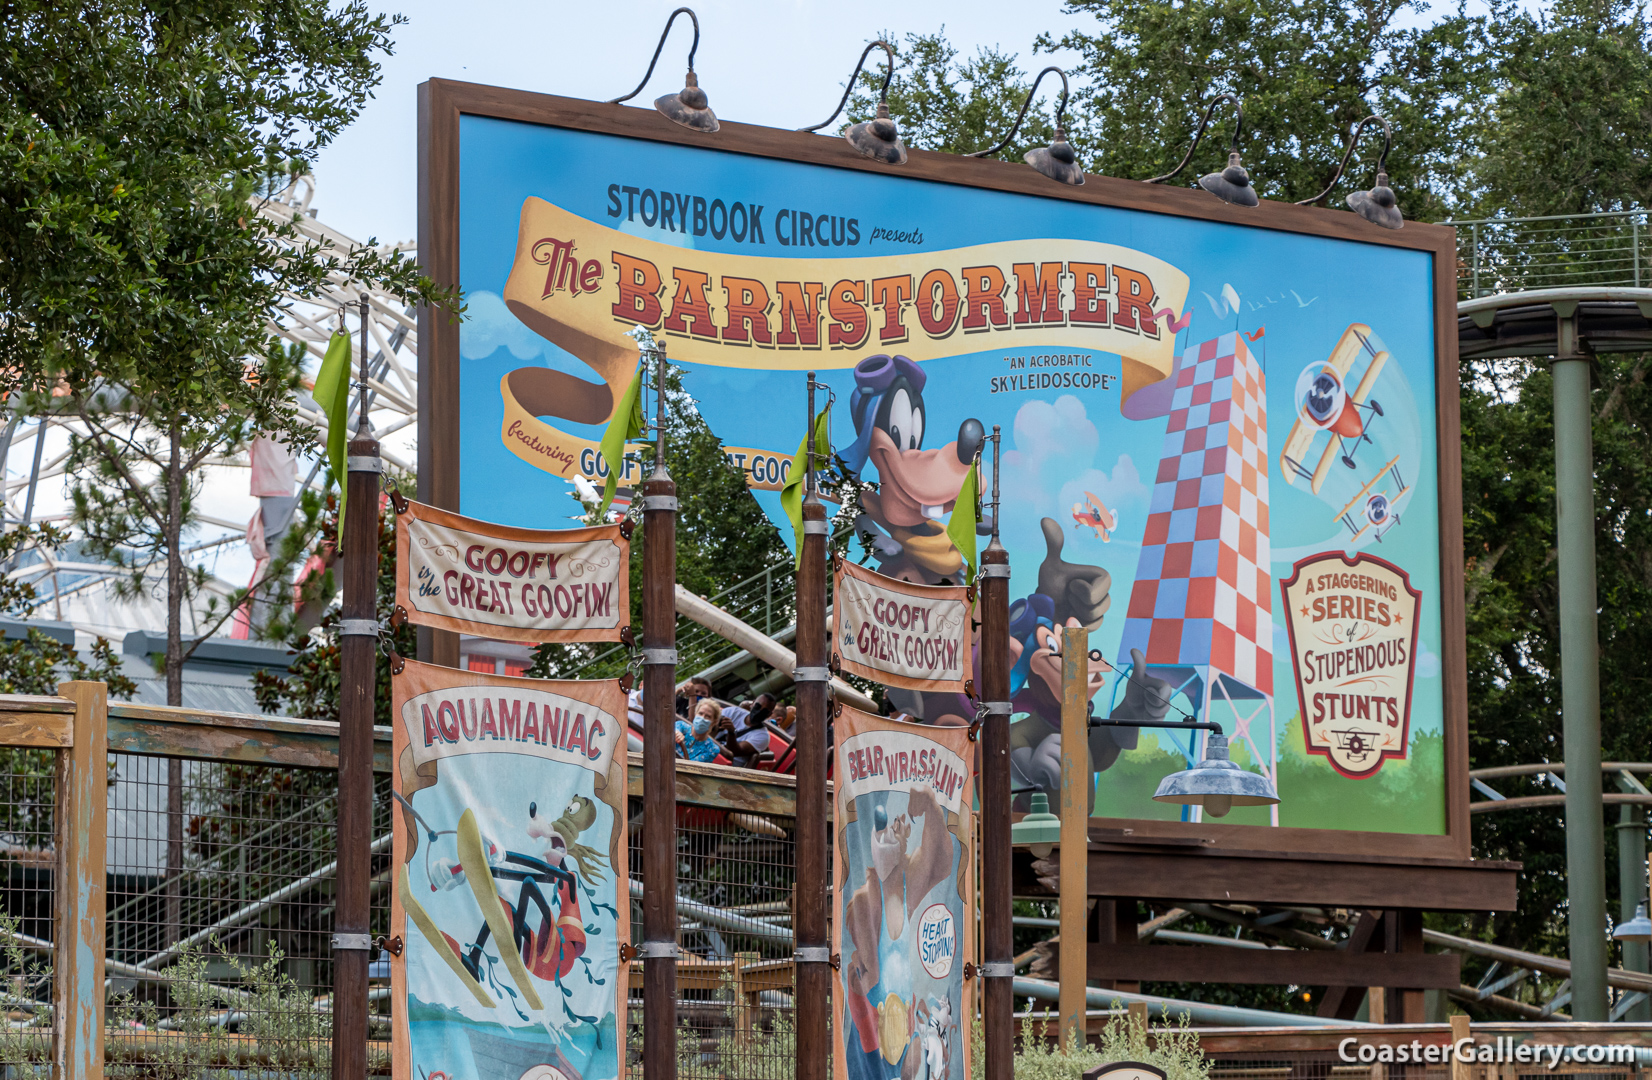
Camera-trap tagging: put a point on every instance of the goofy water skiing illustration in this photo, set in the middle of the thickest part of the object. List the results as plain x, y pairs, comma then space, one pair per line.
546, 951
508, 894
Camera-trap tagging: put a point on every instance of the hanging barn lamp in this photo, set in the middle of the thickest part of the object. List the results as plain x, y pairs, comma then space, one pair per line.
878, 137
1232, 184
1057, 161
1637, 929
689, 106
1039, 829
1216, 783
1378, 206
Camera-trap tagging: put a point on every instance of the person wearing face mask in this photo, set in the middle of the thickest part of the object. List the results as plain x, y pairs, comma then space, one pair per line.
694, 738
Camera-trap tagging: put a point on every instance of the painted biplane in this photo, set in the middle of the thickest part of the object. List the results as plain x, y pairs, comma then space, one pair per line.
1373, 508
1324, 404
1092, 514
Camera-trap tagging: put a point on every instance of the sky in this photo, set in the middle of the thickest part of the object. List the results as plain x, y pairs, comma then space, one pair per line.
782, 63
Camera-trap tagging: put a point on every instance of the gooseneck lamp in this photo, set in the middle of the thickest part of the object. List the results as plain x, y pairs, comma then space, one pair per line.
1378, 205
1057, 161
1232, 184
689, 106
876, 138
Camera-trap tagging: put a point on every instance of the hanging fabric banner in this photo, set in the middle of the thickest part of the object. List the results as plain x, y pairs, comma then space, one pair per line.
904, 898
511, 883
899, 633
474, 577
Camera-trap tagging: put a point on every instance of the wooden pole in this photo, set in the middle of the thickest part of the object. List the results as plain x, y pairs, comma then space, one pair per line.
358, 646
80, 899
997, 952
659, 764
813, 954
1073, 960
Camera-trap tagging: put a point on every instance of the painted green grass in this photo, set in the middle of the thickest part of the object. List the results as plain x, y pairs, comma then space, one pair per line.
1405, 796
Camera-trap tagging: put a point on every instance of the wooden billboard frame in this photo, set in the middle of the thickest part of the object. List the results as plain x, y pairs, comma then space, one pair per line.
441, 104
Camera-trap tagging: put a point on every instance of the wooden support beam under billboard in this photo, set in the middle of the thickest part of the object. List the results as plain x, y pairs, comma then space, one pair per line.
1153, 869
1341, 1001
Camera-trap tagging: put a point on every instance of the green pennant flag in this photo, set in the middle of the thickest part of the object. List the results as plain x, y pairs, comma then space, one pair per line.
625, 426
961, 529
791, 495
332, 393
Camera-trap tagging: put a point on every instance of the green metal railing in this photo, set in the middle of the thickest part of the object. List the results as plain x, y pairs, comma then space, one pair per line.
1498, 255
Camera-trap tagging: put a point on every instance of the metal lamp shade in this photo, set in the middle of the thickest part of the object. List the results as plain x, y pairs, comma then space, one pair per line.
1057, 161
1637, 929
878, 138
1216, 783
1232, 184
689, 107
1039, 830
1378, 205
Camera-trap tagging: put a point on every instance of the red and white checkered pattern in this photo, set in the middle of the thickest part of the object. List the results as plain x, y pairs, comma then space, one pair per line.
1203, 594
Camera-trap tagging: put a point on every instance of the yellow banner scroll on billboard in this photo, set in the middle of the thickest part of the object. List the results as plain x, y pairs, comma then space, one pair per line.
582, 285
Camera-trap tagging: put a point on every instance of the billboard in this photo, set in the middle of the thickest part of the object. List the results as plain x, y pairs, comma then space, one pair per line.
1199, 403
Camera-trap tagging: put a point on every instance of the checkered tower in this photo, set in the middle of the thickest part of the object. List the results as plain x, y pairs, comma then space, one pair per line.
1202, 597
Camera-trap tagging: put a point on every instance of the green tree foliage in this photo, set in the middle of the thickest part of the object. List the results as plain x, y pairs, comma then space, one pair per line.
1570, 130
1306, 72
140, 258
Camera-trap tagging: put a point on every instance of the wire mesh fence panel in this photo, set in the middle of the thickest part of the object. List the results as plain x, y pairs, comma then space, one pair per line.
27, 798
221, 903
734, 907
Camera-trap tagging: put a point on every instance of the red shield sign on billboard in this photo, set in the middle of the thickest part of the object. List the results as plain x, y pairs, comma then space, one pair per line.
1353, 631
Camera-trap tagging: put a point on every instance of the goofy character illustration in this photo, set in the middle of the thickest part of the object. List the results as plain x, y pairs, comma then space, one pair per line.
902, 524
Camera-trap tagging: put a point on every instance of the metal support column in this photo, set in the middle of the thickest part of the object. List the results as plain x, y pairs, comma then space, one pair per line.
998, 948
358, 653
659, 761
813, 956
1632, 891
1579, 669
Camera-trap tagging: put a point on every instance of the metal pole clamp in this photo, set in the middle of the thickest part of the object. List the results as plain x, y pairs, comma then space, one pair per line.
359, 628
363, 463
659, 502
814, 528
657, 950
995, 569
360, 942
812, 674
997, 969
812, 954
996, 708
659, 656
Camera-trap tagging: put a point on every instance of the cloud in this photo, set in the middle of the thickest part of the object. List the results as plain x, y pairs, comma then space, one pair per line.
1053, 463
489, 326
1428, 665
